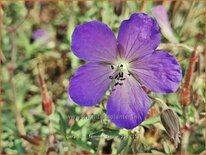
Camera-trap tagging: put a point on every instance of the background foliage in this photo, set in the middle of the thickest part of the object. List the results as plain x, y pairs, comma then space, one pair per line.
75, 129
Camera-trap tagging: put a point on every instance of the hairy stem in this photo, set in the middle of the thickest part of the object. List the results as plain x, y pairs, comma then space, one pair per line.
11, 67
185, 141
19, 119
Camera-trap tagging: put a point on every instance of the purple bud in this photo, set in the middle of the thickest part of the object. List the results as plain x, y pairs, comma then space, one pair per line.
160, 14
41, 34
171, 124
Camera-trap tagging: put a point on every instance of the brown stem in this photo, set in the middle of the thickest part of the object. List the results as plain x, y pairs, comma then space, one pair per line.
143, 6
185, 91
185, 94
47, 103
192, 63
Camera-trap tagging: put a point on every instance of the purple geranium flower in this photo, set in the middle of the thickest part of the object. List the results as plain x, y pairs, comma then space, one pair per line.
125, 65
41, 34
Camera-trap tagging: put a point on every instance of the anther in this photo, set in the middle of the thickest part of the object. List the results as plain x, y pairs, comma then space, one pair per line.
112, 67
122, 79
116, 76
121, 65
120, 74
110, 77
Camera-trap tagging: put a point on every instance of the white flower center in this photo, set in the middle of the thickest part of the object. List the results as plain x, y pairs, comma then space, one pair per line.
120, 68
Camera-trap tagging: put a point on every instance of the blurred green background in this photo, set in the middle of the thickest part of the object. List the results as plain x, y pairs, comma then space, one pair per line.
75, 129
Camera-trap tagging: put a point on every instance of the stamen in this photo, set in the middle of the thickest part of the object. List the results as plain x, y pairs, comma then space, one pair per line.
118, 83
121, 74
116, 76
110, 77
122, 79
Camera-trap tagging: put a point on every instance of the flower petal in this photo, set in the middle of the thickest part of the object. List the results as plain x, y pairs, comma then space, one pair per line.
94, 41
128, 104
160, 14
159, 72
138, 36
90, 83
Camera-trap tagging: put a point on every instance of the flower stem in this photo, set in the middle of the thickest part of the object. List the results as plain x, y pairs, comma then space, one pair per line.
160, 102
185, 141
185, 91
180, 45
11, 68
192, 62
51, 136
19, 119
143, 6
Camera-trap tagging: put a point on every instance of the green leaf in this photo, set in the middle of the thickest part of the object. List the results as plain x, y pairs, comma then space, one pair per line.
83, 144
166, 148
122, 146
156, 152
19, 147
63, 124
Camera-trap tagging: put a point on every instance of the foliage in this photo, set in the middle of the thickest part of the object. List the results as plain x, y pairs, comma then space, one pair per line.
75, 129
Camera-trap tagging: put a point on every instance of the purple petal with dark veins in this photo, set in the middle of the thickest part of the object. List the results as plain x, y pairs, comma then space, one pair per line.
128, 104
159, 72
90, 83
94, 41
138, 36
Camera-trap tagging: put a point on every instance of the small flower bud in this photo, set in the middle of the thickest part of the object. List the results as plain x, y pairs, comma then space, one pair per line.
118, 7
29, 5
35, 140
37, 143
42, 36
82, 7
171, 124
160, 14
47, 103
